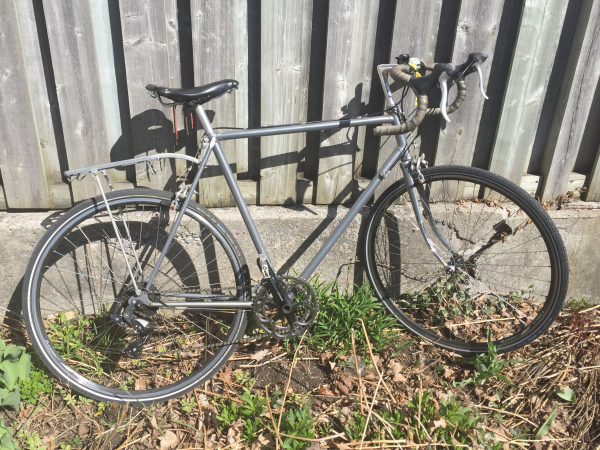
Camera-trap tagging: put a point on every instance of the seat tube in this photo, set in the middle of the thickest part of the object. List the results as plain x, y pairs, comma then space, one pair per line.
232, 183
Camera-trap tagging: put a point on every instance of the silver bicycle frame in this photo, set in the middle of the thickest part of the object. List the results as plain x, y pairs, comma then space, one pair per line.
400, 153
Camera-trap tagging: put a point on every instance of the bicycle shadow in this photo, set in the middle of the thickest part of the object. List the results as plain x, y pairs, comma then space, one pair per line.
346, 196
152, 132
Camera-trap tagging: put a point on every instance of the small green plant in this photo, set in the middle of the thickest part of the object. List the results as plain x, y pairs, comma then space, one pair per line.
296, 419
545, 428
578, 305
340, 313
74, 443
31, 440
6, 438
487, 366
36, 384
228, 413
566, 394
244, 378
187, 404
355, 426
14, 365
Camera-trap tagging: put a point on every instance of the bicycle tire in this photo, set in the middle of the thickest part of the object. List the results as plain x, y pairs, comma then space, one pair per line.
489, 223
77, 271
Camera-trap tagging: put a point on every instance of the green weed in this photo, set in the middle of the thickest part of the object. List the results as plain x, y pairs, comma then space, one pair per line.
228, 413
244, 378
422, 421
6, 438
340, 313
187, 404
36, 384
15, 364
296, 417
31, 440
487, 366
578, 305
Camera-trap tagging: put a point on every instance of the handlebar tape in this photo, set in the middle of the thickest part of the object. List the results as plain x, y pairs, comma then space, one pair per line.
420, 86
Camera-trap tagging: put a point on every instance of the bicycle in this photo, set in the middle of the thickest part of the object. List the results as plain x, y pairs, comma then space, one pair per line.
142, 295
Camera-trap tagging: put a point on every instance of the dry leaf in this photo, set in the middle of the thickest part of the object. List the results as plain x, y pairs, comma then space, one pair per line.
225, 375
203, 400
153, 422
83, 430
260, 355
348, 381
369, 375
233, 435
395, 369
263, 441
440, 423
69, 315
168, 441
140, 384
324, 391
449, 374
326, 357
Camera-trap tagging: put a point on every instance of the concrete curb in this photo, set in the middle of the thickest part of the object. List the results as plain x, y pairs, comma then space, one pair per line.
294, 234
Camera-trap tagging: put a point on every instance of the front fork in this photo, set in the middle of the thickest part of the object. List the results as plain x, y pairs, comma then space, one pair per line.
418, 187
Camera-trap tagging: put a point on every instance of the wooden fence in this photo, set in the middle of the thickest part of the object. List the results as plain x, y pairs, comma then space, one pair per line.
73, 75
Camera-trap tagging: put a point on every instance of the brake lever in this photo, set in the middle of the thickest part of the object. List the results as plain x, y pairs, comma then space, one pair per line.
444, 77
478, 69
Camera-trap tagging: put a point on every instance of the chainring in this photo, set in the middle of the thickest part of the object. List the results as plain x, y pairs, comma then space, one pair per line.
271, 318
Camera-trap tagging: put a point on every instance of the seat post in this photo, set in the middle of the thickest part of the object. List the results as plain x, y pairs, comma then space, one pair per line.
208, 129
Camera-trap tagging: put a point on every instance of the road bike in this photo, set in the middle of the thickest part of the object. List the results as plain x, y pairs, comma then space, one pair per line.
141, 295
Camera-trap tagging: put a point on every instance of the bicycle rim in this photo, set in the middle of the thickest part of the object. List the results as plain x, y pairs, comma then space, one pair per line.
509, 270
78, 272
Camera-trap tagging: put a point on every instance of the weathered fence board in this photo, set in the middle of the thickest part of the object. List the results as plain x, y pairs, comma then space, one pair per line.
78, 86
151, 50
416, 27
217, 50
593, 194
539, 33
349, 50
285, 55
476, 31
60, 195
574, 103
21, 162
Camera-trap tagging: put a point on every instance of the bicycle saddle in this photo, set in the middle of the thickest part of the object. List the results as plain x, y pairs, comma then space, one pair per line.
195, 95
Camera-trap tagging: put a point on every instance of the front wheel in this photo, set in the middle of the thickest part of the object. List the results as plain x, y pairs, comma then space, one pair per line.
506, 267
78, 288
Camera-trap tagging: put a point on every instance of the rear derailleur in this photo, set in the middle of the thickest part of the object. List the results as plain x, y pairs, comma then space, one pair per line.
284, 307
134, 311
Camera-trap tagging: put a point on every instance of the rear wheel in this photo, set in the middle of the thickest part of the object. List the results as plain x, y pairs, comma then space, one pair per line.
78, 277
509, 269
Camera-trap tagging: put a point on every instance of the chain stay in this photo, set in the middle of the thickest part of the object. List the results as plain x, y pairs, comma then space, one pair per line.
250, 338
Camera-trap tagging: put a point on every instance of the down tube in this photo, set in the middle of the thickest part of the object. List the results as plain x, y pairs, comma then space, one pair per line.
358, 205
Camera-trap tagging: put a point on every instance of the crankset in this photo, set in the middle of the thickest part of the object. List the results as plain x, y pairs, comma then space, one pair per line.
289, 320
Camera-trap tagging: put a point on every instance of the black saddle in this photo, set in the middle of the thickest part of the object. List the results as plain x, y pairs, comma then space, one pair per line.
193, 96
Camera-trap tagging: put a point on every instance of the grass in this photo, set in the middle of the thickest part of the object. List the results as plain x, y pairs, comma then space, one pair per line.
340, 314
